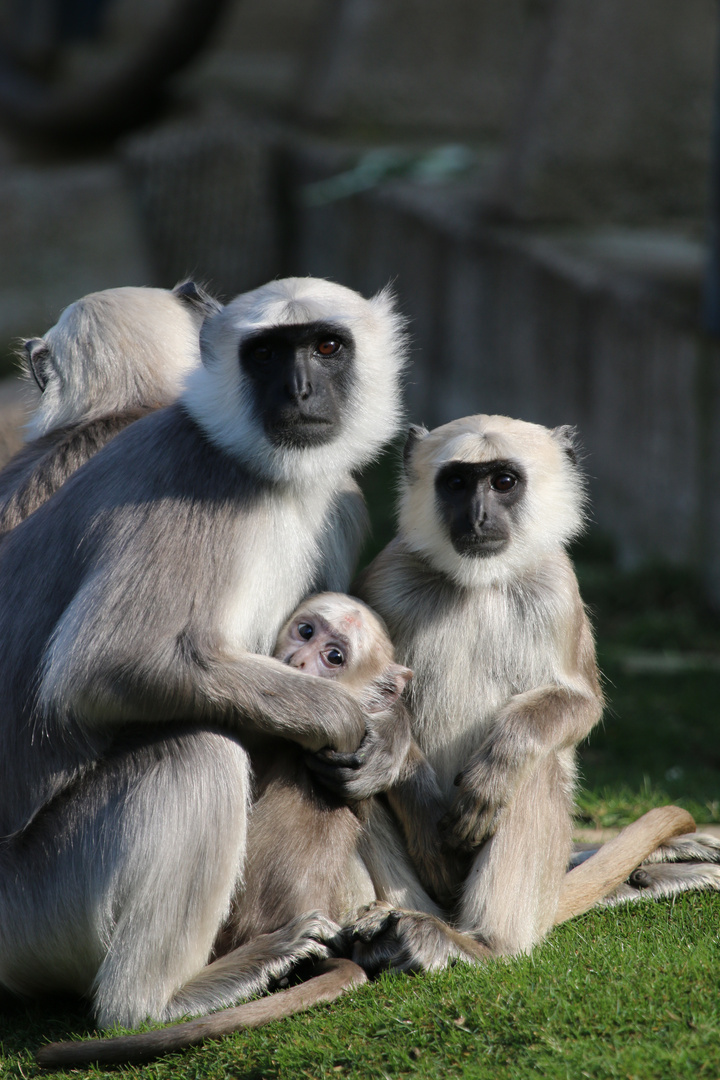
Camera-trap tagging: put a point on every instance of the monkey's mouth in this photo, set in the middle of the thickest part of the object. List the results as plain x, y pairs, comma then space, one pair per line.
298, 430
472, 546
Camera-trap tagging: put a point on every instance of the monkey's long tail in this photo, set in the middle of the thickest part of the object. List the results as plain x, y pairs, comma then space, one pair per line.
334, 977
611, 865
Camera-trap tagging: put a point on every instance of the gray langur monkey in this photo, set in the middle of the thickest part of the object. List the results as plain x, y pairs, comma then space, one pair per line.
112, 357
133, 607
481, 601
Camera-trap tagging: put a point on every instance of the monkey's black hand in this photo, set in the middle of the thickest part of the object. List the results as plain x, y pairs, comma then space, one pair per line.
372, 768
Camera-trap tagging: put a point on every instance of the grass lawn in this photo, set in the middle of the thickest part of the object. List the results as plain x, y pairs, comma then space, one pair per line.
626, 993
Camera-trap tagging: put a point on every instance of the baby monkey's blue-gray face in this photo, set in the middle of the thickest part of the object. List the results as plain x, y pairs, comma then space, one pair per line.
479, 503
302, 376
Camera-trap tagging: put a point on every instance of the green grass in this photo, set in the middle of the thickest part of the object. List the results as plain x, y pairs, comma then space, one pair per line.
613, 994
630, 993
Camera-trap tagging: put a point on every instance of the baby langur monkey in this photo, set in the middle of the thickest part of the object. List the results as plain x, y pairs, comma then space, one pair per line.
112, 357
324, 861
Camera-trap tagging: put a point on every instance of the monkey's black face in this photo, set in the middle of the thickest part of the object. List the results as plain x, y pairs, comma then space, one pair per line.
302, 376
479, 503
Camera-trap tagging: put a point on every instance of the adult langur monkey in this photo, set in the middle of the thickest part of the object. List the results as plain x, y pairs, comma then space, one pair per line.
481, 601
305, 848
131, 607
112, 357
309, 851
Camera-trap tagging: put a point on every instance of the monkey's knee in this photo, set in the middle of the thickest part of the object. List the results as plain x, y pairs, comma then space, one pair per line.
175, 871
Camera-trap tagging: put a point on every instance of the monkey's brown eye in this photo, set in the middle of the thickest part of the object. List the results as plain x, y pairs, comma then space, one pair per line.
261, 354
503, 482
334, 657
328, 348
305, 630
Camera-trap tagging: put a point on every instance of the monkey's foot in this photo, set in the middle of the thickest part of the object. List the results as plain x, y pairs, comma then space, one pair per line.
654, 881
259, 964
308, 937
384, 937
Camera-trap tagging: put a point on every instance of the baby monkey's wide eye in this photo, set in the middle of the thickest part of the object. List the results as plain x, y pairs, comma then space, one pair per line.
328, 347
503, 482
334, 657
305, 630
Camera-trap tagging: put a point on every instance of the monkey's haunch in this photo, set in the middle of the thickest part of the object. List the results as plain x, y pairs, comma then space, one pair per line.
333, 978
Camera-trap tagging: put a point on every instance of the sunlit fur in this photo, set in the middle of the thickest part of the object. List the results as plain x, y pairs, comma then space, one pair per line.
137, 598
115, 350
220, 397
505, 682
552, 510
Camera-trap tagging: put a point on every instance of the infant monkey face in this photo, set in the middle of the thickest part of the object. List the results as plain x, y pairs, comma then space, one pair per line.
312, 646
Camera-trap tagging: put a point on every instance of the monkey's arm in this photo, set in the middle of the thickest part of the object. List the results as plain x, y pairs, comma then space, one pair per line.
106, 679
418, 804
530, 726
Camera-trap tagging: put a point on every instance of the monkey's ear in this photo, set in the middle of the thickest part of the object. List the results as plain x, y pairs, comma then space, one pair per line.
196, 297
567, 437
37, 352
416, 433
391, 684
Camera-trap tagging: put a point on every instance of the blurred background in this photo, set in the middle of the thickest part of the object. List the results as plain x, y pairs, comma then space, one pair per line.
535, 178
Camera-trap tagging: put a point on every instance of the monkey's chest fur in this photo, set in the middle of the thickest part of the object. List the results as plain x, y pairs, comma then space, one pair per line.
470, 650
274, 564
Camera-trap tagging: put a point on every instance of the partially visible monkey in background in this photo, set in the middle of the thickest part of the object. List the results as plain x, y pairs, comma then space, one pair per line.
481, 601
111, 357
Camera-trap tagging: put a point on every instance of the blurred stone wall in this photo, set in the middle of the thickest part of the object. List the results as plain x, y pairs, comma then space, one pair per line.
558, 280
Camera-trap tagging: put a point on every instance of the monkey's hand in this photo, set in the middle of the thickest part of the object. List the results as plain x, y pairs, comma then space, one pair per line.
374, 766
485, 789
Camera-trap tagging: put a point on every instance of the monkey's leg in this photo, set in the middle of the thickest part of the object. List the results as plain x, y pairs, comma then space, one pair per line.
385, 854
510, 896
690, 847
606, 870
119, 885
332, 978
302, 853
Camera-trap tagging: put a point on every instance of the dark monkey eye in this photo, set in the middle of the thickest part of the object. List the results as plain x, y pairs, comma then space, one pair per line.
503, 482
455, 482
305, 630
328, 348
334, 657
261, 354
